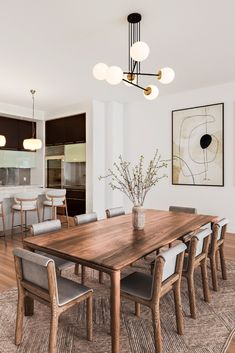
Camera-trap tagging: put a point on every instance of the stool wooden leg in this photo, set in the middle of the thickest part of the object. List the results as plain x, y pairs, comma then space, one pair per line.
12, 222
38, 213
22, 222
43, 213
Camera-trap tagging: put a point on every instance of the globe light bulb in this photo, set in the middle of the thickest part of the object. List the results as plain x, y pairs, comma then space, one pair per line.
133, 80
139, 51
2, 140
151, 92
166, 75
114, 75
32, 144
100, 71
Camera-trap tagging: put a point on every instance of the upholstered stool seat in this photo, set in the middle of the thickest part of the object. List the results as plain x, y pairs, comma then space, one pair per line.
23, 207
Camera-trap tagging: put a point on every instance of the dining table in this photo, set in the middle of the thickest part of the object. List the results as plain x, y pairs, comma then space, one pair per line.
110, 245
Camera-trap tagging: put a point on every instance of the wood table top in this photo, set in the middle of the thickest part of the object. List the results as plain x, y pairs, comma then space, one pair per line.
113, 243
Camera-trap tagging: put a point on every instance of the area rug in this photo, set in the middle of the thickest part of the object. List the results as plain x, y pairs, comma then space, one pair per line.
209, 333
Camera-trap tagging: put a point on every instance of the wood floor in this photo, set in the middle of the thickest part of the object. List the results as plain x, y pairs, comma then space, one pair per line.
7, 272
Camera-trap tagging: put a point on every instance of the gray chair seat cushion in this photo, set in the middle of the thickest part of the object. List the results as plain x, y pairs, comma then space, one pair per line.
137, 284
60, 263
69, 290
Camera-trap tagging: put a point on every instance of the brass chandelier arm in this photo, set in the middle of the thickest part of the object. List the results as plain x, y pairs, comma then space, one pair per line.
133, 84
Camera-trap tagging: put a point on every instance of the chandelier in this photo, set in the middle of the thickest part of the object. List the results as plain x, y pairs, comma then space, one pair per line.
138, 51
32, 143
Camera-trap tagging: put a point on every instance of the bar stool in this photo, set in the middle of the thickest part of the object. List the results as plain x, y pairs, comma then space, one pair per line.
3, 235
24, 202
56, 198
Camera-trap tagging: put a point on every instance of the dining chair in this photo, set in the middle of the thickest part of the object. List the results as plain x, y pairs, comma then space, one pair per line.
50, 227
80, 220
55, 198
36, 279
24, 202
217, 248
148, 290
180, 209
191, 210
3, 235
198, 245
114, 212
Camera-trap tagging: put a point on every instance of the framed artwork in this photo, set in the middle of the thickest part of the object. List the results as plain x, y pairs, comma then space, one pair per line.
198, 146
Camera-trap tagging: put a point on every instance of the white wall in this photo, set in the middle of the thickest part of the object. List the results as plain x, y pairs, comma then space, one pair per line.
148, 126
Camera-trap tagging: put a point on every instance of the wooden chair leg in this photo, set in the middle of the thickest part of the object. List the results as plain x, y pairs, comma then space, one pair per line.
157, 329
83, 274
76, 269
222, 262
192, 299
205, 285
217, 259
89, 319
137, 309
101, 277
53, 330
178, 309
214, 274
19, 317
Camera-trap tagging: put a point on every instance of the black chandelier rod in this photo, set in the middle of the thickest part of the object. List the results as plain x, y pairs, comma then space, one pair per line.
133, 84
141, 73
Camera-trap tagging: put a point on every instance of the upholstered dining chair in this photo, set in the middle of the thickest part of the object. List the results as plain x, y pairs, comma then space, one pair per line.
55, 198
3, 235
148, 290
217, 247
198, 245
191, 210
36, 279
80, 220
114, 212
24, 202
50, 227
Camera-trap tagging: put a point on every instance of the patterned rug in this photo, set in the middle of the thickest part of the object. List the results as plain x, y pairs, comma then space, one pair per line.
211, 332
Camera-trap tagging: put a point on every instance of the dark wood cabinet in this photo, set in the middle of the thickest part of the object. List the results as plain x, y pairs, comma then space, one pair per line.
71, 129
15, 131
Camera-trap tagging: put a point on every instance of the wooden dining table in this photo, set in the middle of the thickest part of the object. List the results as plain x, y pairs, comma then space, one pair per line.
112, 244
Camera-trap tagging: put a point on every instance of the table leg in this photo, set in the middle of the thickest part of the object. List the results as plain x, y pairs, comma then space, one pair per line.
115, 311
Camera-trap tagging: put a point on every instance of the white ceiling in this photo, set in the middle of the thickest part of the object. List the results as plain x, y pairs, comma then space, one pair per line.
52, 45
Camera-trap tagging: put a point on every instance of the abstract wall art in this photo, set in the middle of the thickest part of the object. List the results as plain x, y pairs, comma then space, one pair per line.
198, 146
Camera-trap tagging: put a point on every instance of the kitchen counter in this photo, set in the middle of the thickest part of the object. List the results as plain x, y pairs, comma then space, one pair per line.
9, 191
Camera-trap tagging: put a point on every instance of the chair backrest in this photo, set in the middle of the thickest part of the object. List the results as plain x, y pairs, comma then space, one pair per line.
46, 227
26, 199
34, 269
56, 195
183, 209
85, 218
167, 264
114, 212
218, 233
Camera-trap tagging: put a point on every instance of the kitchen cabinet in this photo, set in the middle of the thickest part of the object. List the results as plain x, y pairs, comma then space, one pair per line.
71, 129
75, 153
17, 159
15, 131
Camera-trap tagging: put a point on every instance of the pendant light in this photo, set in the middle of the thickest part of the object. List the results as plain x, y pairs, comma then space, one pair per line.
2, 140
32, 143
138, 51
